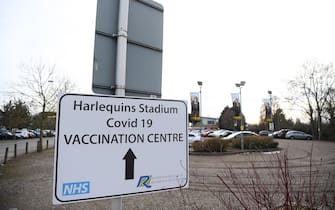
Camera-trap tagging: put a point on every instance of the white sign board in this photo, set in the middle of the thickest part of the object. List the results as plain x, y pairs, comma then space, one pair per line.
108, 146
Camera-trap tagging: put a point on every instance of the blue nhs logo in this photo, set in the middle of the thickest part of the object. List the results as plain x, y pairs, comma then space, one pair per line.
76, 188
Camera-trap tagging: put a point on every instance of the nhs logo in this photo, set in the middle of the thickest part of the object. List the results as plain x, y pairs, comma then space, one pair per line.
76, 188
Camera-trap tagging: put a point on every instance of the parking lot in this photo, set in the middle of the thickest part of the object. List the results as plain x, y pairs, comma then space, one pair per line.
215, 180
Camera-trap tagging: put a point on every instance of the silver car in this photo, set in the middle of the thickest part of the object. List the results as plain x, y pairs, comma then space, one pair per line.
237, 135
298, 135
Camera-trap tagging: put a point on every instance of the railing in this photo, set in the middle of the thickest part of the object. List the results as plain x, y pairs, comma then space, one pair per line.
10, 149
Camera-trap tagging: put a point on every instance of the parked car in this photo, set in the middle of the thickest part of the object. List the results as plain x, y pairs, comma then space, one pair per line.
192, 137
4, 134
226, 133
36, 133
220, 133
22, 134
45, 132
281, 133
265, 133
206, 133
215, 133
237, 135
298, 135
31, 134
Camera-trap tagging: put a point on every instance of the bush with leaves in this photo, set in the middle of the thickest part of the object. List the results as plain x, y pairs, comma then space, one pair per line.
210, 145
255, 142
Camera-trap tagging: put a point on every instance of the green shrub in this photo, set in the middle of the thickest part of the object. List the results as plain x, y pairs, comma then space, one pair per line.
210, 145
255, 142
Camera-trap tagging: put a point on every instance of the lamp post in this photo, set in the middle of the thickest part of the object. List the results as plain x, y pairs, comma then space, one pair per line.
240, 85
200, 105
271, 124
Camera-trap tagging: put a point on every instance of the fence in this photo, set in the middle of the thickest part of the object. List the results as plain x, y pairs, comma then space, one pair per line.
12, 148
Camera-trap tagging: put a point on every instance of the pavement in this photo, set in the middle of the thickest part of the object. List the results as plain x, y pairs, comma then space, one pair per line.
26, 181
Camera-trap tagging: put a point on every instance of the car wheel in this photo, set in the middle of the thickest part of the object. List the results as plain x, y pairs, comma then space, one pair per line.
292, 137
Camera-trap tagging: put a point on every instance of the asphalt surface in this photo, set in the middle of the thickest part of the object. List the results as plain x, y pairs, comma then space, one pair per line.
22, 146
26, 181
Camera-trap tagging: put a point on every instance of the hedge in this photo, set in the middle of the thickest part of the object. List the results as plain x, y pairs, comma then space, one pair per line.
210, 145
255, 142
220, 145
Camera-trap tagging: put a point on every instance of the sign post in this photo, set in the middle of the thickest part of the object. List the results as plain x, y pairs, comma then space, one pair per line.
111, 146
127, 61
121, 60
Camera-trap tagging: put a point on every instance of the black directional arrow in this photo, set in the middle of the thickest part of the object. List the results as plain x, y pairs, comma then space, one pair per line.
129, 157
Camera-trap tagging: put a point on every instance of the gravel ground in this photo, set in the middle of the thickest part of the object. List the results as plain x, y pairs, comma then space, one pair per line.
26, 182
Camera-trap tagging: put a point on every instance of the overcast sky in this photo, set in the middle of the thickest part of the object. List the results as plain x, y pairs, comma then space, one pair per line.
218, 42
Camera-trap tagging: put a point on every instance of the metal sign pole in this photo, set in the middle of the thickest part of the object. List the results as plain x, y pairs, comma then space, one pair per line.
121, 51
116, 203
121, 60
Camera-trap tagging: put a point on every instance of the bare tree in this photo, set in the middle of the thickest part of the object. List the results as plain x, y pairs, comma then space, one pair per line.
330, 108
39, 86
310, 91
